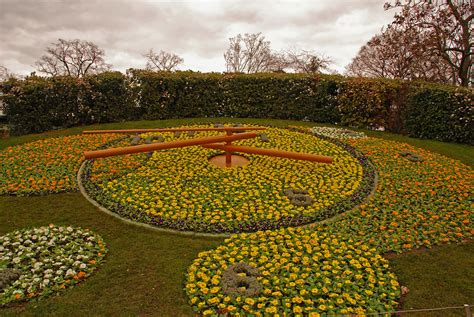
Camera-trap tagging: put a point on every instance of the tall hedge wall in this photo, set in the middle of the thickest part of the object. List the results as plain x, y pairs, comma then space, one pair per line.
415, 108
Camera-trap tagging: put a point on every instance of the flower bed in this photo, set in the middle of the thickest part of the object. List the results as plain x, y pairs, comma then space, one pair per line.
300, 272
47, 259
45, 166
180, 189
337, 133
417, 203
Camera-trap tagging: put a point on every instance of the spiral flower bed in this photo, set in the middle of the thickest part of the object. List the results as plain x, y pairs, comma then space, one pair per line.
180, 189
38, 262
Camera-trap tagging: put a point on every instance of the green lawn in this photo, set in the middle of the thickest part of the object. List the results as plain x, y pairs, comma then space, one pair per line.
144, 270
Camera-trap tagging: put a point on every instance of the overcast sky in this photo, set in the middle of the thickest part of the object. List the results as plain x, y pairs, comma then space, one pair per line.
198, 31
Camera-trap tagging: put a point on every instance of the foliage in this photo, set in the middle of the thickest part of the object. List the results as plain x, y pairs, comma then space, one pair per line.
365, 103
179, 189
250, 53
45, 166
105, 98
40, 104
445, 114
400, 53
48, 259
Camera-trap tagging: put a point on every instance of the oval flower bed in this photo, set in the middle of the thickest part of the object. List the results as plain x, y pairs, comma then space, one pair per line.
46, 166
38, 262
180, 189
291, 271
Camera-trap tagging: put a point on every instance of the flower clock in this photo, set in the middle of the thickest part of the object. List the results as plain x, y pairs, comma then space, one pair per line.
38, 262
288, 254
180, 189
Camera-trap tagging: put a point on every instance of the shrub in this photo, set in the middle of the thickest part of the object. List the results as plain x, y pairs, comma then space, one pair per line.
440, 112
422, 110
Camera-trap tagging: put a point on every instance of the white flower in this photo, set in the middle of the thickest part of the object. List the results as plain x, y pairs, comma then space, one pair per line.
70, 272
16, 260
59, 272
82, 266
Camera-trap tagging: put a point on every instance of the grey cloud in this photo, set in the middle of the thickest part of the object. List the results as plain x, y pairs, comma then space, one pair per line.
198, 29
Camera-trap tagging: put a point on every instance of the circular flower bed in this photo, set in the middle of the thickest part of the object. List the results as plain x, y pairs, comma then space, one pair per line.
292, 271
45, 166
38, 262
180, 189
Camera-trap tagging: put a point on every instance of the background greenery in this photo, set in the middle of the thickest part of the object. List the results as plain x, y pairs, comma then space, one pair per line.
419, 109
144, 269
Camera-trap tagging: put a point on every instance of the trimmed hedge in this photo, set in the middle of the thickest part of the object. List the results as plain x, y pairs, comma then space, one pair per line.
419, 109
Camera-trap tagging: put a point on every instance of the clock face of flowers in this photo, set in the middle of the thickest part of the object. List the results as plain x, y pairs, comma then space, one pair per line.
181, 189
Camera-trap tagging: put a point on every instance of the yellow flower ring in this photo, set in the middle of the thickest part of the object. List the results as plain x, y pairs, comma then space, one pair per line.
179, 189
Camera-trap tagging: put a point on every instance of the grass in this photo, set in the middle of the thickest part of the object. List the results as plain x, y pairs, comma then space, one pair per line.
438, 277
144, 270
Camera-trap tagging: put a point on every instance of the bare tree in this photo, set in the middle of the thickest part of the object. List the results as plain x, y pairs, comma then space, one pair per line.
399, 52
75, 58
448, 25
251, 53
307, 61
5, 74
162, 61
